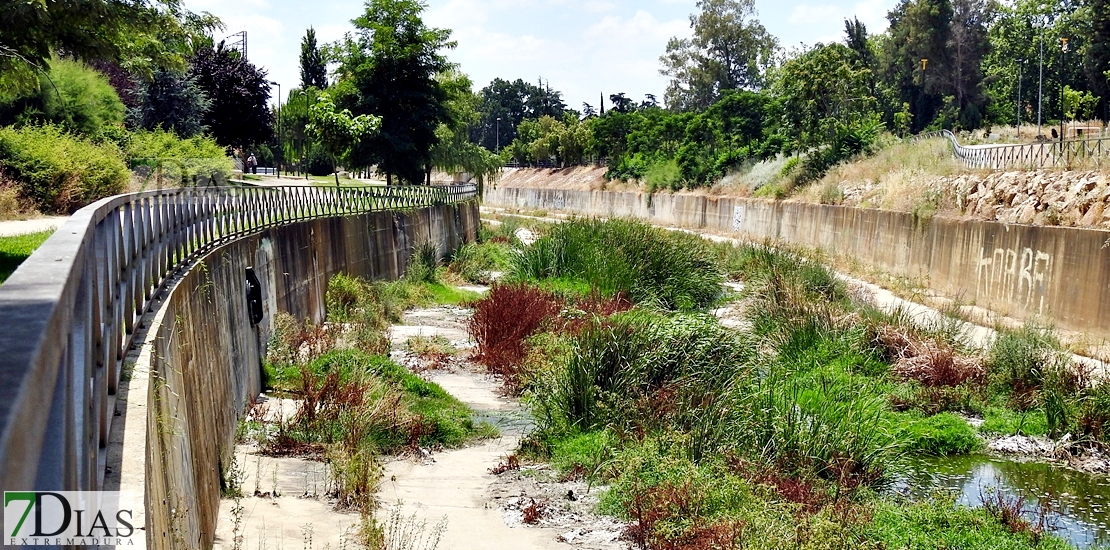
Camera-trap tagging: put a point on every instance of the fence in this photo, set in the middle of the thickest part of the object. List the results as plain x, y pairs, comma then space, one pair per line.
1065, 153
69, 313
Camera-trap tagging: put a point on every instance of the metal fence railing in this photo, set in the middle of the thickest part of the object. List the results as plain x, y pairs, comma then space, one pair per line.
1072, 153
69, 313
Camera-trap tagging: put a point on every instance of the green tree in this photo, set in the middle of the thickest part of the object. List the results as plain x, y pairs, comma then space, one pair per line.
388, 69
730, 50
512, 102
453, 150
73, 96
919, 30
1097, 58
314, 71
338, 131
138, 34
170, 100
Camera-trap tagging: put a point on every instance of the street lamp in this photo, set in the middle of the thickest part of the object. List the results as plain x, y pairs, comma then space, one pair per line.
278, 164
1021, 63
497, 134
1063, 50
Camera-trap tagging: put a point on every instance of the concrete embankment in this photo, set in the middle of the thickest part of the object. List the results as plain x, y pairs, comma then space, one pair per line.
1055, 274
199, 366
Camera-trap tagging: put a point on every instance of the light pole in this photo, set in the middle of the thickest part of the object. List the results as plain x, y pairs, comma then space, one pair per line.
1040, 78
277, 164
497, 136
1021, 63
1063, 50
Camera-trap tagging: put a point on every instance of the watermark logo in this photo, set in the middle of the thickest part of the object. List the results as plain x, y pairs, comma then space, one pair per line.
64, 518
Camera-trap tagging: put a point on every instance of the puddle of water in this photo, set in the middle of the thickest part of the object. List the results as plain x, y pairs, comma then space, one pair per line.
514, 422
1080, 502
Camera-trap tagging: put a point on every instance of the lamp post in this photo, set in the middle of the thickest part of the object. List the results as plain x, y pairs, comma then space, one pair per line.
1063, 50
1021, 63
278, 163
1040, 77
497, 136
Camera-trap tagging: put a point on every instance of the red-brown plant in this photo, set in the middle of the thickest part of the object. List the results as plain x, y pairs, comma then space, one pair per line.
504, 319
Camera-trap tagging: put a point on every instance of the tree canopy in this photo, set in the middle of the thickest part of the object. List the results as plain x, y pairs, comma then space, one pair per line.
314, 71
388, 68
238, 116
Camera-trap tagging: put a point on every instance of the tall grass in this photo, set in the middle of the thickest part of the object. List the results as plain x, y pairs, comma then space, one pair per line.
667, 270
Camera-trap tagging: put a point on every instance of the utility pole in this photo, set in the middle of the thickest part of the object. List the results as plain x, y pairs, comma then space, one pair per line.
497, 136
277, 163
1063, 50
1040, 81
1020, 62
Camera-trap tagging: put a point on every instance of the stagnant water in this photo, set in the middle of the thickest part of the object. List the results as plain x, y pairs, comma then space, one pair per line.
1080, 503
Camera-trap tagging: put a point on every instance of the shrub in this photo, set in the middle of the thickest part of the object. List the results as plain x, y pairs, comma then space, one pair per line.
503, 320
1020, 360
75, 97
669, 270
176, 161
939, 435
60, 172
476, 262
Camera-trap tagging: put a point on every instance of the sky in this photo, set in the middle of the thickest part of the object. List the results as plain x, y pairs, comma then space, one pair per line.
583, 48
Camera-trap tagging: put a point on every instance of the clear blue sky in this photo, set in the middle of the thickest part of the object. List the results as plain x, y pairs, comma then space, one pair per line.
584, 47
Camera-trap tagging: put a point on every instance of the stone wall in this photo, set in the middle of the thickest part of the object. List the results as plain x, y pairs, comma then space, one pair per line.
1058, 274
205, 365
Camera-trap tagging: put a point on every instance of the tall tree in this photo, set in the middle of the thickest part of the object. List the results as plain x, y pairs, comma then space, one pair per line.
915, 56
172, 100
1097, 59
967, 45
314, 71
239, 92
388, 69
513, 102
730, 50
453, 150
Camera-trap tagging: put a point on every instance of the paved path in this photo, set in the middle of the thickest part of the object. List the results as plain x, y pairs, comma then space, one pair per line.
22, 227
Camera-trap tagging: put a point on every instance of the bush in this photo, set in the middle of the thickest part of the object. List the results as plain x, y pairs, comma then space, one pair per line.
60, 172
503, 320
178, 161
75, 96
475, 262
939, 435
664, 269
1020, 360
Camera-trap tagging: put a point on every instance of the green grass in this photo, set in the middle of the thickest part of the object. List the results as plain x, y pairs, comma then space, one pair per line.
1003, 421
663, 269
443, 294
13, 250
938, 435
940, 524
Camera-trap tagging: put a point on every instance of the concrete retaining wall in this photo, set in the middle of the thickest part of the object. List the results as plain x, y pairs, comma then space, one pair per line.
1059, 274
205, 364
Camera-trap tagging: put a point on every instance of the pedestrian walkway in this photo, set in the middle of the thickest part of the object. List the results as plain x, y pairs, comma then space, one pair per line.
22, 227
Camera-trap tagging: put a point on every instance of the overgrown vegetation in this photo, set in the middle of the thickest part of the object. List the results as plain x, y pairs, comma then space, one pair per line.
354, 402
783, 434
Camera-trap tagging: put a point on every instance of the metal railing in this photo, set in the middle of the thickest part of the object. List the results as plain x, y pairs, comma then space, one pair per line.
1067, 153
68, 315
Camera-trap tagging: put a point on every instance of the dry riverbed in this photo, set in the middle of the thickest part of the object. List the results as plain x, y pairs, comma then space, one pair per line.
285, 501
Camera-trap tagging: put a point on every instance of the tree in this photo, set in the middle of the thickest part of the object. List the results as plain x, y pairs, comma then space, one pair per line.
338, 131
622, 103
820, 86
730, 50
72, 95
238, 116
1097, 58
314, 71
919, 29
453, 150
513, 102
138, 34
388, 69
171, 100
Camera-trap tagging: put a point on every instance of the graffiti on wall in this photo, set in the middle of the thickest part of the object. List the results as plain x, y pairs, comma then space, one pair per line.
1016, 274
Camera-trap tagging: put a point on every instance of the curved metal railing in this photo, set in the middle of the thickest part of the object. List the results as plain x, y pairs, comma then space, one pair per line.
69, 313
1067, 153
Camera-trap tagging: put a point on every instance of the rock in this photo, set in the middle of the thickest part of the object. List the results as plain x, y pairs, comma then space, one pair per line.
1093, 215
1027, 212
